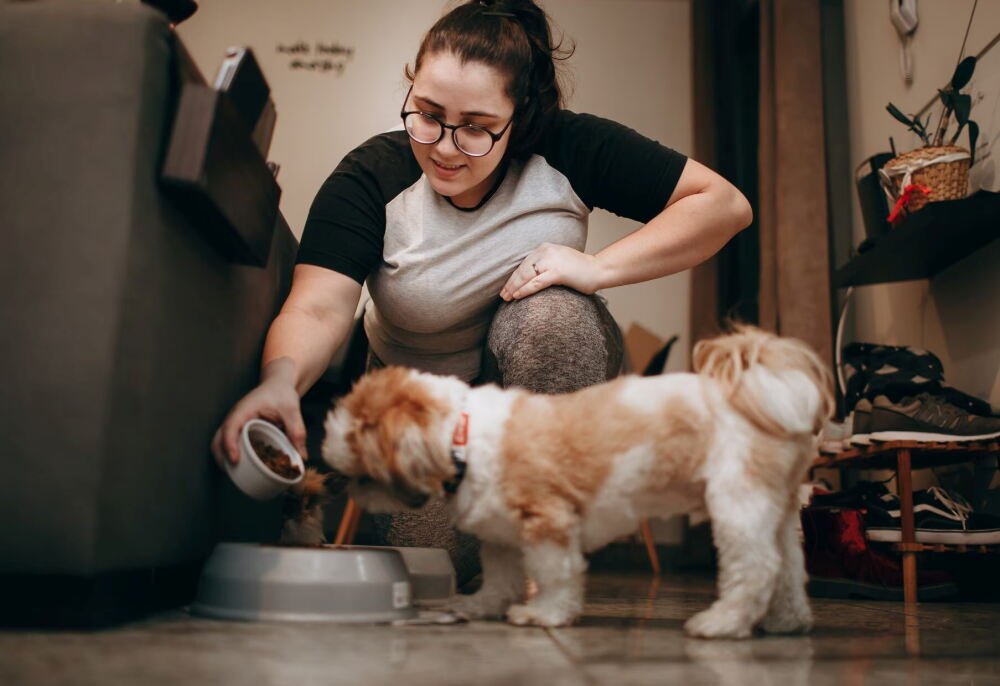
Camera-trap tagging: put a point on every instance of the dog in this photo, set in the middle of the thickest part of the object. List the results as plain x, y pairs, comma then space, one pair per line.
543, 479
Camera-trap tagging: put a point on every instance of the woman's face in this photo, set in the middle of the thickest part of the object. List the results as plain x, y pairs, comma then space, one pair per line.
456, 93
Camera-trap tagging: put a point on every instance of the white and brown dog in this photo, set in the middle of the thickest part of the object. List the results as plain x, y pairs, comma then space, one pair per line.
542, 479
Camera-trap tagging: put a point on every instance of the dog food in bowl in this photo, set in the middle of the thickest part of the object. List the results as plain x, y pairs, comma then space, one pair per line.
274, 458
269, 464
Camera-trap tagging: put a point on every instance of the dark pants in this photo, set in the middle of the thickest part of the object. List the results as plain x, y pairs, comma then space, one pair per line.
555, 341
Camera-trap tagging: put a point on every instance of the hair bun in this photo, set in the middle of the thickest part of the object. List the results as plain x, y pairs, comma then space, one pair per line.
507, 5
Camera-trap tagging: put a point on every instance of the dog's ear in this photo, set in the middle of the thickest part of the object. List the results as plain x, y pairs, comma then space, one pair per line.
397, 432
414, 444
339, 448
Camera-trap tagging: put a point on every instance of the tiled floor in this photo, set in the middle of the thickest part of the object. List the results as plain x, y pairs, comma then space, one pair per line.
630, 634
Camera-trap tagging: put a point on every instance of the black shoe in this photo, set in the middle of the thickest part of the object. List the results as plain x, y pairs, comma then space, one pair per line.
872, 370
858, 497
938, 517
928, 417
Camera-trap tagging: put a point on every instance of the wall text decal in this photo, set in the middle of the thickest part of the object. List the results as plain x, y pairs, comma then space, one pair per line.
321, 57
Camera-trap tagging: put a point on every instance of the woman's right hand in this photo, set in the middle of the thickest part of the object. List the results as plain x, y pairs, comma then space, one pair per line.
315, 319
275, 400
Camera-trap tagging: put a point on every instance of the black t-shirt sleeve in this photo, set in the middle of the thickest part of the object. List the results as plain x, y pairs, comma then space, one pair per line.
612, 166
345, 227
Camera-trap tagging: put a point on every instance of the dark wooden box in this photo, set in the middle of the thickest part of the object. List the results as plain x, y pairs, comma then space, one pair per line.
214, 170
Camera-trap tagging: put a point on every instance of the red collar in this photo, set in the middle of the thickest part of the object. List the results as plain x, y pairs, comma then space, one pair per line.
459, 448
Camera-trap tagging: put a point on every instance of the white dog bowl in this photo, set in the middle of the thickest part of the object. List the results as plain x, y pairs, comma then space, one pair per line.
249, 581
250, 474
432, 575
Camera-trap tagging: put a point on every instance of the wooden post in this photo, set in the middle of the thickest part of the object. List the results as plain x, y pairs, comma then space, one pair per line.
355, 521
345, 532
904, 482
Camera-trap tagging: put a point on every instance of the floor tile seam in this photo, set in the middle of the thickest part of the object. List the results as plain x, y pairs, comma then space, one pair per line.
578, 666
776, 660
921, 610
885, 612
845, 602
920, 613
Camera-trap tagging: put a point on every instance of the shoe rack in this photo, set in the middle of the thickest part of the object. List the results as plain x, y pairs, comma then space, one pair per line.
926, 243
904, 457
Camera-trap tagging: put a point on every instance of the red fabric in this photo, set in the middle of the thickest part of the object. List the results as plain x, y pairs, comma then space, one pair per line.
899, 209
836, 548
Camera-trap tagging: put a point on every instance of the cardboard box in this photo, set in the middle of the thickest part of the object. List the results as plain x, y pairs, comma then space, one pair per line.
640, 346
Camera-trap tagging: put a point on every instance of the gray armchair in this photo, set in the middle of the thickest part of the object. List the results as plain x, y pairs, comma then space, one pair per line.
125, 337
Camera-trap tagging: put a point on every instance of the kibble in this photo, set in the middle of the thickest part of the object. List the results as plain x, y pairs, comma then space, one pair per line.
275, 459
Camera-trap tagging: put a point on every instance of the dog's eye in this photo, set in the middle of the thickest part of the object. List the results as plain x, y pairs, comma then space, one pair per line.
365, 480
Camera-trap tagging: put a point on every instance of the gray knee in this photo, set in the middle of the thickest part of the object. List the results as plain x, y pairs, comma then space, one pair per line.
430, 527
555, 341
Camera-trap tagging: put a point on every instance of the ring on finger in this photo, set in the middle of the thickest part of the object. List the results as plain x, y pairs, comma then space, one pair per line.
534, 266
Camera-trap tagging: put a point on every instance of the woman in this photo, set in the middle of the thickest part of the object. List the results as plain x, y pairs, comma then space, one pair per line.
469, 228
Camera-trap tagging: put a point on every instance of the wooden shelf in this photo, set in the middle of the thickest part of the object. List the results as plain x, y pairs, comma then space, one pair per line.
883, 455
930, 240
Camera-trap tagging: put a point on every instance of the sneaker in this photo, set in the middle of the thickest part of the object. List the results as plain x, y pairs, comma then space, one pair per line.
927, 417
833, 437
871, 370
858, 497
969, 403
861, 431
841, 563
939, 516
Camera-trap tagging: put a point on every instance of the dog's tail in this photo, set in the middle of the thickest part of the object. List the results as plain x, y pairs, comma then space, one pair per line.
778, 384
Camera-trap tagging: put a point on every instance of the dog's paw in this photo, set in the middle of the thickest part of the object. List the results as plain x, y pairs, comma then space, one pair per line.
473, 607
798, 622
534, 615
718, 622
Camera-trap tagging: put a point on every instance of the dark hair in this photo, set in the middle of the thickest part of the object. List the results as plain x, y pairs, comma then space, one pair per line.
514, 37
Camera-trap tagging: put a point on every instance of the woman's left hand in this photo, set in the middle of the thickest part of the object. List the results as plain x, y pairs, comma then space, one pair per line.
553, 265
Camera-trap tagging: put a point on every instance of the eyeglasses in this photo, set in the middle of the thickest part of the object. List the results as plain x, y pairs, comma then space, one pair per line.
425, 128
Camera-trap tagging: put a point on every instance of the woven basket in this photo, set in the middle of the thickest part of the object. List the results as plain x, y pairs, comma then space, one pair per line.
947, 180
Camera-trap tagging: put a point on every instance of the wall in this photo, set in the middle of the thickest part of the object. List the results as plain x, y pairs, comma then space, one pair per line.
955, 314
632, 64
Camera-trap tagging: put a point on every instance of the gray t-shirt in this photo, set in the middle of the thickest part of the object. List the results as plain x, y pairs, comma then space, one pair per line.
435, 271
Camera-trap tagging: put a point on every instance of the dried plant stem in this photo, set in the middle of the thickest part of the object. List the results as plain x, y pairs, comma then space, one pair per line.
942, 126
943, 122
967, 27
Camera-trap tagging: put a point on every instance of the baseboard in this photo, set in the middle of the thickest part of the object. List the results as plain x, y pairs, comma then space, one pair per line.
93, 602
632, 557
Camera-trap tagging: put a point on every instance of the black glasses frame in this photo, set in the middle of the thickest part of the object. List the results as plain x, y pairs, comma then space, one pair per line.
404, 113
